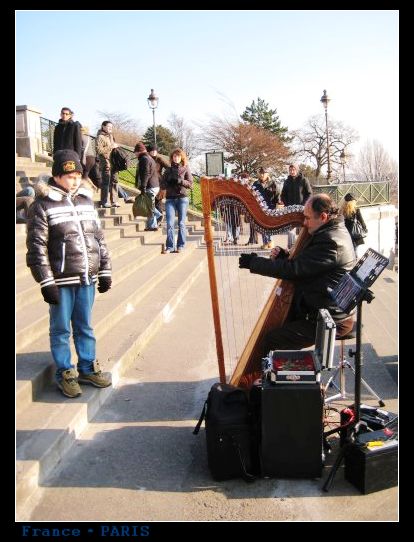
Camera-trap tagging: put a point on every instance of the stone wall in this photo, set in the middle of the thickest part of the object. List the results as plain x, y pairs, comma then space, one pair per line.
380, 221
28, 132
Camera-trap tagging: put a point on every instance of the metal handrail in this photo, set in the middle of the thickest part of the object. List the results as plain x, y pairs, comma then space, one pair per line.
366, 194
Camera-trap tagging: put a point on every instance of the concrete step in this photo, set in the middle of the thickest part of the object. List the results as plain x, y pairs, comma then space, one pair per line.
23, 160
47, 428
122, 266
32, 336
130, 230
28, 291
112, 235
33, 321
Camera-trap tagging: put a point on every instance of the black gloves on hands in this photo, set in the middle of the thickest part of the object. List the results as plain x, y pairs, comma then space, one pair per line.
245, 259
51, 294
173, 178
104, 283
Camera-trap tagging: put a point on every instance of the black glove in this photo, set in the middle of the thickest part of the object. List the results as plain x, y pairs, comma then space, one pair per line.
104, 283
51, 294
245, 259
173, 178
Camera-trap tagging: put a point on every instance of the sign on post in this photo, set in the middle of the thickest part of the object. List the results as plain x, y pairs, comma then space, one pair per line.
214, 163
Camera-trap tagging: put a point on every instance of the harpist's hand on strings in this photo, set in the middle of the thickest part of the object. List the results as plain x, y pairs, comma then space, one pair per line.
245, 259
278, 251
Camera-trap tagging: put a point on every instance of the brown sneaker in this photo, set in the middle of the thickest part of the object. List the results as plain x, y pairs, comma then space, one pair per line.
69, 384
97, 378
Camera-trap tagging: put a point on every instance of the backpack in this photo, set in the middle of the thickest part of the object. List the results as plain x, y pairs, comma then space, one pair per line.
230, 447
119, 159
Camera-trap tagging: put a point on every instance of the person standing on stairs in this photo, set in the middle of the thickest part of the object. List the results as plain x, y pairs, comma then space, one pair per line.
177, 181
105, 142
67, 133
67, 255
162, 165
147, 181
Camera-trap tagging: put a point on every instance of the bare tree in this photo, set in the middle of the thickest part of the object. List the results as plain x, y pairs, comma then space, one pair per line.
184, 134
247, 146
310, 144
198, 165
374, 164
126, 130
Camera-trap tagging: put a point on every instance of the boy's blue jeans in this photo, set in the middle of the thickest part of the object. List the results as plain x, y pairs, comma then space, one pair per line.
173, 205
75, 307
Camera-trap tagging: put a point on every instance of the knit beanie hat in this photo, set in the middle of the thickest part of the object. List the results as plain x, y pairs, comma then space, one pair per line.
140, 147
152, 148
66, 161
349, 197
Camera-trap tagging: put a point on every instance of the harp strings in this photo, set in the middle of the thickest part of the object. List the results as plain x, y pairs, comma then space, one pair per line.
240, 293
239, 296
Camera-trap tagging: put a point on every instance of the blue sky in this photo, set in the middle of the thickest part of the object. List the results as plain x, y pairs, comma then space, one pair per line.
207, 63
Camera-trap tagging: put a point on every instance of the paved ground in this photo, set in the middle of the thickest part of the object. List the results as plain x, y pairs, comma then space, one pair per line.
139, 461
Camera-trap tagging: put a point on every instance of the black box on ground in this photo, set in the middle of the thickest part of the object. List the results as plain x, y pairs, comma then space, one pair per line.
291, 430
372, 469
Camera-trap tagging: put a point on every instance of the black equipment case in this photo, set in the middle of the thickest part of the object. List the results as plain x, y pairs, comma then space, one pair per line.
228, 432
291, 430
372, 469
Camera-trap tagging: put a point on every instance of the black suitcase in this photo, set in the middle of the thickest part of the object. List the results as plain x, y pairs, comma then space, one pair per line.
229, 432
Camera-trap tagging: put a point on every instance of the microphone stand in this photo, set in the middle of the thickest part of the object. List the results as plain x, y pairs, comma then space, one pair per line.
366, 295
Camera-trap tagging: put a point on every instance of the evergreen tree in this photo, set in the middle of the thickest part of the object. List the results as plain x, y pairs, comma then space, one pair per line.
166, 141
260, 115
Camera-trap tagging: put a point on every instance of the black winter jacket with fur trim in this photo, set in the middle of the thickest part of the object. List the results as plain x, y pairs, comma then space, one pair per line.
65, 242
326, 256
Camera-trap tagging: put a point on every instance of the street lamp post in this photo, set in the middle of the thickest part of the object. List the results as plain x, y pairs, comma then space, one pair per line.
342, 158
325, 101
153, 104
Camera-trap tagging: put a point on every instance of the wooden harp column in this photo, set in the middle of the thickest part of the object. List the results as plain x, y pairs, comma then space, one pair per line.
214, 192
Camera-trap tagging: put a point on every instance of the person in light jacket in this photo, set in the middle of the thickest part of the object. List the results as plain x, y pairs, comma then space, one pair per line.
350, 212
104, 144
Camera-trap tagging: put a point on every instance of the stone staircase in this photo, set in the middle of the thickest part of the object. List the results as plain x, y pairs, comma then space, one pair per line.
28, 172
147, 286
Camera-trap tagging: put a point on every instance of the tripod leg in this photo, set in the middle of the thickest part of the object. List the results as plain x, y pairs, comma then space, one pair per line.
331, 382
340, 370
329, 481
368, 387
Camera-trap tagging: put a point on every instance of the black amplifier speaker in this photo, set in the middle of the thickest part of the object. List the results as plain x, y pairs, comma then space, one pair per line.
291, 430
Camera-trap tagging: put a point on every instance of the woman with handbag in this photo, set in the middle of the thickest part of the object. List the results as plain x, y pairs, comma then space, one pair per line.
353, 221
177, 181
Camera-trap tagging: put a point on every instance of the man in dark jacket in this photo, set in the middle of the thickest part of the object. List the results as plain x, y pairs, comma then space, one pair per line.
296, 188
67, 255
162, 163
147, 180
67, 134
327, 255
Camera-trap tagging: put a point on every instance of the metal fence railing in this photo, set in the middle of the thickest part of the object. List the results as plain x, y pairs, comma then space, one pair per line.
47, 128
365, 193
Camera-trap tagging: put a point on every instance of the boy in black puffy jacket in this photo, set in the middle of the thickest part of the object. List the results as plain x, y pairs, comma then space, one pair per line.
67, 255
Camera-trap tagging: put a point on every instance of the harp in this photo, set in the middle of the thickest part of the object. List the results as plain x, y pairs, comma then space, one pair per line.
227, 199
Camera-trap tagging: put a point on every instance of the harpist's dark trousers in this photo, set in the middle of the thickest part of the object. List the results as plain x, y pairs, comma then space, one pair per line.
299, 334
